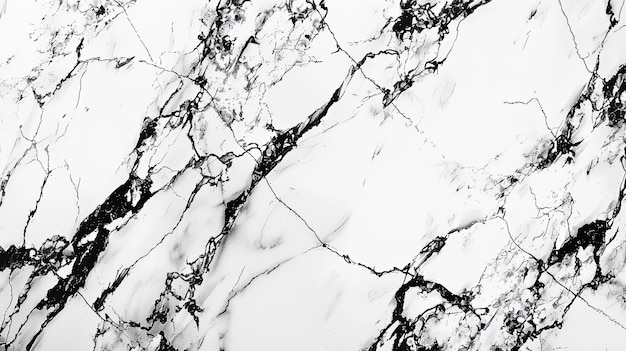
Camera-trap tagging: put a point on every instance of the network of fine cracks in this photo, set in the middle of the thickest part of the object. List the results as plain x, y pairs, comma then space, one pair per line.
221, 63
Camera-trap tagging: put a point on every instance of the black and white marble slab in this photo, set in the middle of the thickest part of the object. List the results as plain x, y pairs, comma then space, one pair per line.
374, 175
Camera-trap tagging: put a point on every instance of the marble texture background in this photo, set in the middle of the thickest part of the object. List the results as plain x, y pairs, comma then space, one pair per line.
312, 175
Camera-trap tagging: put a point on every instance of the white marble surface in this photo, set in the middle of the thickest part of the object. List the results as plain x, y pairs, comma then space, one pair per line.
312, 175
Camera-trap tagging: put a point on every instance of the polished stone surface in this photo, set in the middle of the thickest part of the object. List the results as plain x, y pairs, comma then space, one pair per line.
312, 175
